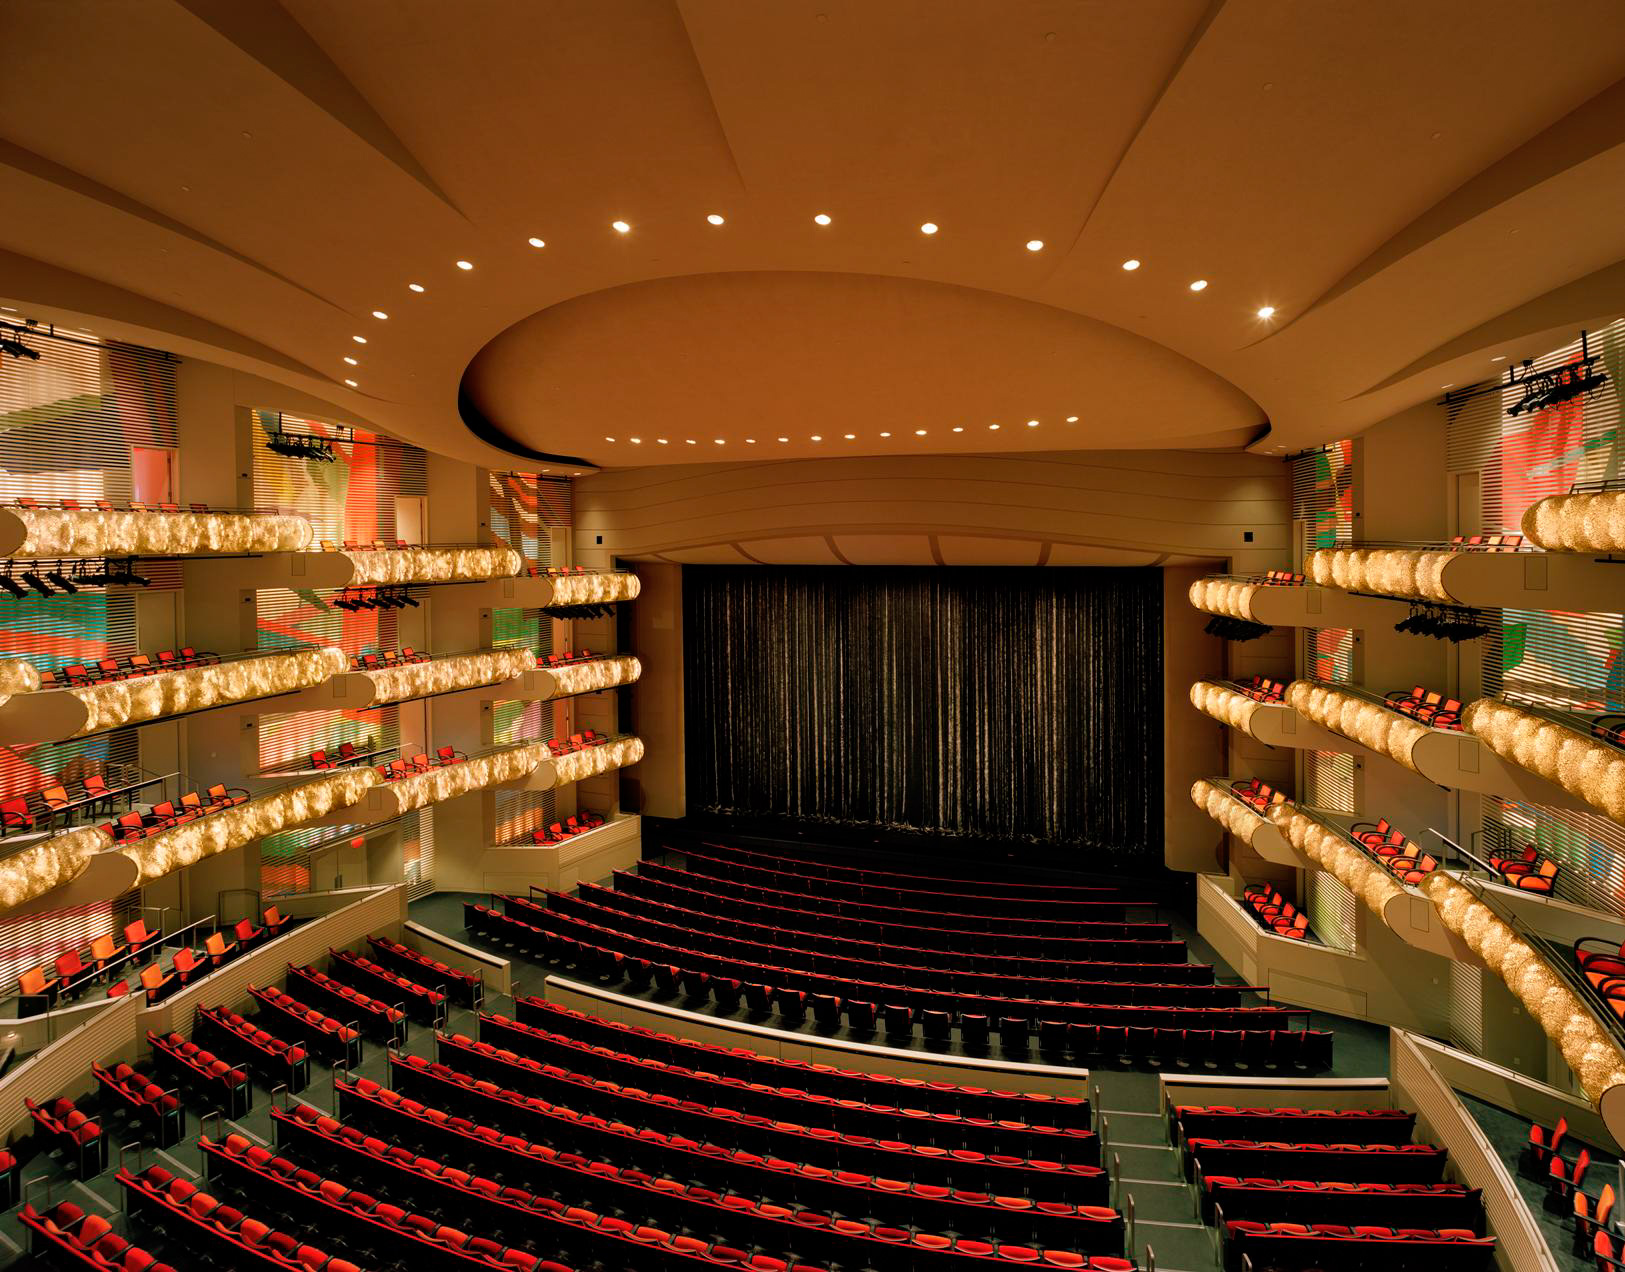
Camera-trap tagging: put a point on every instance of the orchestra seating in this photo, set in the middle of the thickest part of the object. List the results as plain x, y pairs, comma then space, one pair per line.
1330, 1189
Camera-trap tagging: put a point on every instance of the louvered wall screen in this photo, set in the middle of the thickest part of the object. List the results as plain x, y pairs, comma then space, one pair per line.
1333, 911
1569, 661
1328, 780
1467, 1007
1323, 504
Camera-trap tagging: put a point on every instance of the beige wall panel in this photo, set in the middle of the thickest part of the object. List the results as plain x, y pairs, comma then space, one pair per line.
794, 550
956, 550
885, 549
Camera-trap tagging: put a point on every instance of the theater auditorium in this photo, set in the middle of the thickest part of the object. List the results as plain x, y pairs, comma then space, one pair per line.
812, 636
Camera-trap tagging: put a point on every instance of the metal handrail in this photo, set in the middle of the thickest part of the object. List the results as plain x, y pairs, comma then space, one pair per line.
1433, 545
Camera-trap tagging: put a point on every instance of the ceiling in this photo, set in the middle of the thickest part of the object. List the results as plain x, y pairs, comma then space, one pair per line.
1414, 189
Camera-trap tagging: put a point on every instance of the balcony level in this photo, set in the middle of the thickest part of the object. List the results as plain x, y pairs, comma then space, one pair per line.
1509, 577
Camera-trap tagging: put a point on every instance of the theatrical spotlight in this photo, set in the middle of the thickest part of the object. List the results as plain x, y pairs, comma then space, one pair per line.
11, 345
408, 599
33, 579
11, 585
125, 576
62, 581
300, 446
1235, 629
1444, 622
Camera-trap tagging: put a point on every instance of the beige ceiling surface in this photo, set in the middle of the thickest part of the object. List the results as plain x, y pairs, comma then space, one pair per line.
1414, 188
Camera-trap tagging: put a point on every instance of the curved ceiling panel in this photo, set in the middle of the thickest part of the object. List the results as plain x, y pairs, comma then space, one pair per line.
801, 365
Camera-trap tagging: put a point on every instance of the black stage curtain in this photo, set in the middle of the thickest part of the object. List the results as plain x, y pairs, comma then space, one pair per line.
1005, 704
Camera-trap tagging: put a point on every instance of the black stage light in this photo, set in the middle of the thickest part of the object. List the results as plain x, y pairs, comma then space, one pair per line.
32, 578
62, 581
11, 585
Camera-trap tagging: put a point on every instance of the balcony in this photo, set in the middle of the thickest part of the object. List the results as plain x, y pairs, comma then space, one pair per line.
1270, 721
95, 701
1218, 799
1507, 574
334, 568
67, 531
1580, 756
1254, 599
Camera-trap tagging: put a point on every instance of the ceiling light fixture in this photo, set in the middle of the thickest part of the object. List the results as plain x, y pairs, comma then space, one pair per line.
351, 383
1268, 311
1035, 245
784, 439
818, 437
351, 361
636, 441
930, 227
380, 315
750, 441
691, 441
359, 339
417, 287
715, 218
1071, 419
1032, 423
465, 264
1500, 357
717, 440
851, 437
620, 227
821, 219
661, 440
994, 427
609, 439
959, 428
536, 242
885, 434
919, 432
1131, 264
1199, 285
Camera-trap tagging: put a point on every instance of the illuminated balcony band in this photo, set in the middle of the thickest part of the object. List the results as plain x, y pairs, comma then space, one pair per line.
17, 676
1227, 597
593, 760
1577, 523
1333, 853
1582, 765
477, 773
445, 675
83, 532
593, 674
1416, 573
596, 588
1224, 704
432, 565
49, 864
1359, 719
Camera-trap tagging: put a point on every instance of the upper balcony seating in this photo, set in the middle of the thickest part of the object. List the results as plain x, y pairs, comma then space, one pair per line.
465, 988
1281, 578
158, 1111
55, 806
565, 658
598, 909
558, 832
975, 887
275, 1062
66, 1236
1390, 845
953, 937
700, 1127
1275, 913
569, 1068
1262, 689
222, 1235
1432, 709
576, 742
1257, 794
801, 927
83, 675
74, 1132
1527, 870
1610, 729
1033, 913
1603, 964
422, 762
1487, 543
213, 1081
383, 659
166, 814
538, 1016
425, 1005
346, 755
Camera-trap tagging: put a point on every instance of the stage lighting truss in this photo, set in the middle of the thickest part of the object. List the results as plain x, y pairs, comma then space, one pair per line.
51, 578
1556, 384
300, 445
355, 599
1444, 622
578, 613
1235, 629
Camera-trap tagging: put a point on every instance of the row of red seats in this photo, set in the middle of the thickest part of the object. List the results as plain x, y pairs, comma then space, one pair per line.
323, 1036
565, 658
1430, 707
166, 814
1257, 794
106, 505
1527, 870
329, 994
1361, 1126
1603, 964
577, 824
276, 1062
1593, 1216
572, 1067
1275, 913
105, 670
74, 1132
1282, 578
427, 1006
553, 571
420, 763
1404, 859
186, 962
1336, 1246
347, 753
66, 1235
439, 1086
1038, 912
576, 742
1487, 543
629, 895
364, 545
896, 878
159, 1111
1444, 1205
603, 909
1262, 689
566, 1177
42, 808
215, 1082
466, 988
1280, 1159
1036, 1107
222, 1235
385, 658
946, 937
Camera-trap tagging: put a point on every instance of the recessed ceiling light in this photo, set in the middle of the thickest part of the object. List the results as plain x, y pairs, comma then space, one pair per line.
750, 441
380, 315
851, 437
351, 361
636, 441
715, 218
994, 427
717, 440
359, 339
818, 437
417, 287
465, 264
1035, 245
1071, 419
959, 428
919, 432
351, 383
784, 439
1199, 285
1032, 423
1451, 385
536, 242
885, 434
1131, 264
620, 227
609, 439
930, 227
1500, 357
1268, 311
691, 441
662, 441
822, 218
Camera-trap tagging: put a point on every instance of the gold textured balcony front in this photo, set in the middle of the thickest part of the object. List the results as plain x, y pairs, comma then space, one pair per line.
1219, 802
1480, 577
54, 715
594, 588
591, 674
1584, 766
438, 675
1252, 598
1358, 718
593, 760
45, 533
1581, 522
333, 568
